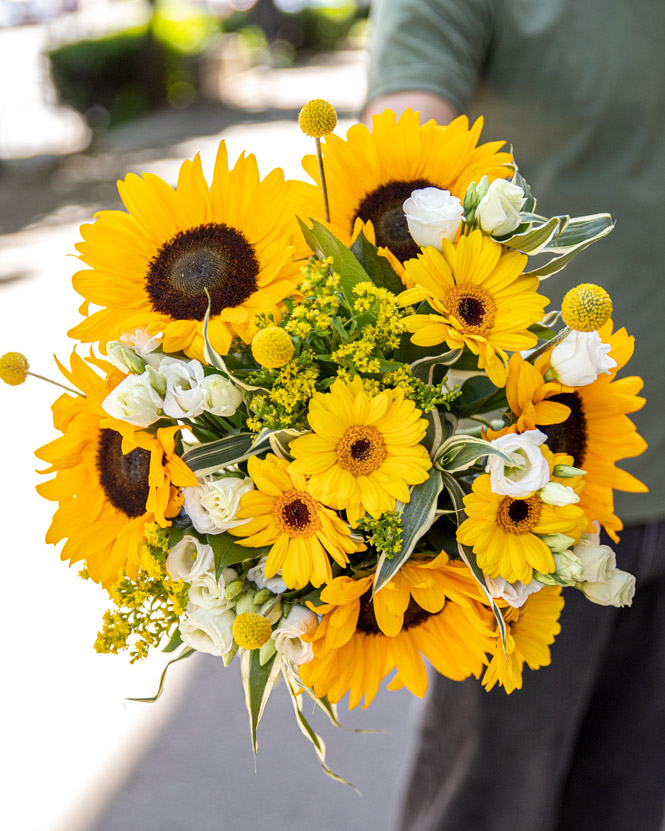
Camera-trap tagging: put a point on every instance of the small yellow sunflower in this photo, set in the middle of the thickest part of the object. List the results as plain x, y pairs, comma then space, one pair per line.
505, 532
151, 266
529, 397
284, 514
108, 485
427, 613
531, 631
481, 299
598, 432
364, 451
370, 174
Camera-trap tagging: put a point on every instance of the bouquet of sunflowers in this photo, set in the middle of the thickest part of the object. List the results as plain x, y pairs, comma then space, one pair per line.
330, 429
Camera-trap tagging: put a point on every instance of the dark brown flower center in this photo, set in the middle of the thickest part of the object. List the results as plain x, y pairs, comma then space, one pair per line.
571, 435
295, 513
383, 207
361, 450
123, 477
473, 307
413, 616
213, 257
518, 516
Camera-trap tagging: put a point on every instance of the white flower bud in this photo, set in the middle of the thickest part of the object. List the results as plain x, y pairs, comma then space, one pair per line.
618, 590
207, 592
569, 569
257, 574
144, 345
208, 631
557, 542
222, 398
515, 594
557, 494
580, 358
185, 395
213, 503
287, 635
134, 400
433, 214
529, 471
598, 561
498, 212
123, 358
189, 559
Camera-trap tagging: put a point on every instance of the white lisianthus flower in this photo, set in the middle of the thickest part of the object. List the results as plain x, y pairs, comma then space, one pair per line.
135, 400
554, 493
288, 634
213, 503
189, 559
433, 214
208, 631
580, 358
185, 395
557, 542
515, 594
529, 471
124, 358
498, 212
568, 566
222, 398
598, 561
257, 574
144, 344
618, 590
207, 592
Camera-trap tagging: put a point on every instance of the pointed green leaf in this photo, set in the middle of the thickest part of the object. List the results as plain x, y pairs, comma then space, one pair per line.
186, 652
257, 682
174, 642
536, 238
423, 368
479, 395
379, 270
212, 457
227, 551
582, 229
325, 244
460, 452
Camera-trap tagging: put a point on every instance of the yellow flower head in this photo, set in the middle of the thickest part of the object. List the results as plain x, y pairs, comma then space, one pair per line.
586, 307
13, 368
251, 631
272, 347
317, 118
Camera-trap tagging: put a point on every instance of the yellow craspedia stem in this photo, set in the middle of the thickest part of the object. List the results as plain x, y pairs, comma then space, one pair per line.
13, 368
317, 118
251, 631
272, 347
586, 308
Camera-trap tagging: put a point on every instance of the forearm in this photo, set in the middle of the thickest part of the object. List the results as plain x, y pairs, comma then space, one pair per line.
426, 103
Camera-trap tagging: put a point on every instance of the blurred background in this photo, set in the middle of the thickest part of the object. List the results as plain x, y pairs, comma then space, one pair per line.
89, 90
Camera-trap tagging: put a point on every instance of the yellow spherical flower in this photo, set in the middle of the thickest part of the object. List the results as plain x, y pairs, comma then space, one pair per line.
586, 307
284, 514
111, 479
481, 299
272, 347
13, 368
151, 267
429, 611
317, 118
365, 450
251, 631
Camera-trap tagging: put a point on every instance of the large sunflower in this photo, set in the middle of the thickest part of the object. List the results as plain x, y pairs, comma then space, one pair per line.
370, 174
598, 432
505, 532
151, 266
480, 297
302, 533
427, 612
108, 484
364, 451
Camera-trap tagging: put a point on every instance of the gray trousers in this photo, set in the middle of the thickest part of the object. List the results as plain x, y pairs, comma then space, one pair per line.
580, 747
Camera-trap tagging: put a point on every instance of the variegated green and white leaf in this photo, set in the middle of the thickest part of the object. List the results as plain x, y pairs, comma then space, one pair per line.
280, 441
557, 264
258, 682
208, 458
536, 238
186, 652
460, 452
417, 518
424, 368
581, 229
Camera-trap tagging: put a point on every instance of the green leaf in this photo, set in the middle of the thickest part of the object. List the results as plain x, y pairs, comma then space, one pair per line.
325, 244
479, 395
460, 452
542, 332
582, 229
280, 442
257, 682
417, 518
378, 268
227, 551
536, 238
178, 531
186, 652
174, 642
558, 263
423, 368
216, 455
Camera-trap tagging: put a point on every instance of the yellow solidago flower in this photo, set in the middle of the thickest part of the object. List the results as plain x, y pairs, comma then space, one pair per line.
481, 299
364, 451
151, 266
285, 515
425, 612
371, 173
108, 484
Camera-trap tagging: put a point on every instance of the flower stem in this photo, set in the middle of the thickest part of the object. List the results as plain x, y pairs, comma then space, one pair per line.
561, 335
322, 176
56, 383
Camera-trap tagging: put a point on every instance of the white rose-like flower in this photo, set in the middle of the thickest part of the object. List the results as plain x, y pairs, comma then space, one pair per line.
222, 398
515, 594
580, 358
554, 493
189, 559
144, 344
207, 592
498, 212
213, 503
208, 631
568, 567
598, 561
287, 635
433, 214
619, 590
257, 574
530, 471
185, 395
134, 400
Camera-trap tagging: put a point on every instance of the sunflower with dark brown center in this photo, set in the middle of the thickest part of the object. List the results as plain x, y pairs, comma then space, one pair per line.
481, 299
110, 478
430, 610
156, 265
283, 513
370, 174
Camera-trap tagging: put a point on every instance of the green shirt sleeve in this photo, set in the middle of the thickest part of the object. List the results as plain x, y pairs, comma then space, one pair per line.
436, 46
